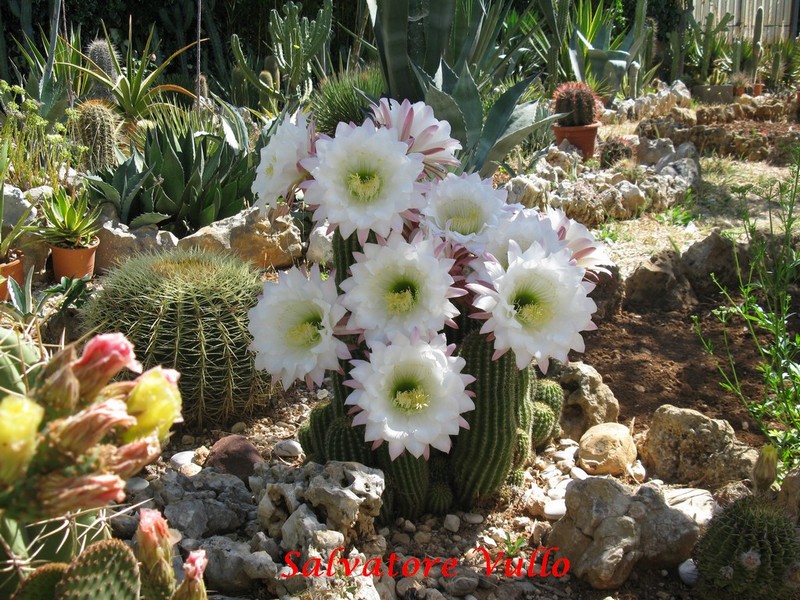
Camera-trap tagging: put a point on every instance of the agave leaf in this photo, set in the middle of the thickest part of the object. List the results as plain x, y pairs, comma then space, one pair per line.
148, 218
446, 108
437, 31
468, 99
496, 122
521, 124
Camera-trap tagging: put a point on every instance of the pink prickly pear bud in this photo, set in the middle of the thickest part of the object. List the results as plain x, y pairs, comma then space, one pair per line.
59, 494
126, 461
154, 541
192, 586
103, 357
78, 433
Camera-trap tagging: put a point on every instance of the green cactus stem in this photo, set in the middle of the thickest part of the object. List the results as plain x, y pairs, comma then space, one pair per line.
577, 101
106, 569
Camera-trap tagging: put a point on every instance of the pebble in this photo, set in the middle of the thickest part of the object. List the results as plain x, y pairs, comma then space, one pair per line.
452, 523
431, 594
555, 509
405, 584
464, 582
567, 442
409, 527
556, 493
179, 459
136, 484
190, 470
565, 466
637, 471
567, 453
401, 538
422, 537
287, 449
187, 440
473, 518
238, 427
688, 572
578, 473
322, 394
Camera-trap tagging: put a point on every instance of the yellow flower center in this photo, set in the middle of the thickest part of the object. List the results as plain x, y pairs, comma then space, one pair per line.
364, 187
305, 334
530, 310
412, 400
465, 218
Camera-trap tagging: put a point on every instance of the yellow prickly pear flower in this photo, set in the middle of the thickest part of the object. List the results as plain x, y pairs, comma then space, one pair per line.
155, 402
766, 468
20, 419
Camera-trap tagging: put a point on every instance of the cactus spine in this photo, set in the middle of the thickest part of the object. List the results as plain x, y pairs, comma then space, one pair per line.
346, 442
577, 100
410, 479
749, 551
97, 125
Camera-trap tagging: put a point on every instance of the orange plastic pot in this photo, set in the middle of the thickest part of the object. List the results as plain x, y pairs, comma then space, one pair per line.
583, 137
74, 262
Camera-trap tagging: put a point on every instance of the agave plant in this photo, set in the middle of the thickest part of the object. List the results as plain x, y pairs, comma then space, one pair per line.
181, 180
467, 33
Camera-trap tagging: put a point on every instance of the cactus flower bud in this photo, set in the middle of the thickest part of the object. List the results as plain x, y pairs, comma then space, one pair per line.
19, 427
58, 389
59, 494
192, 586
78, 433
126, 461
155, 402
103, 357
765, 470
154, 542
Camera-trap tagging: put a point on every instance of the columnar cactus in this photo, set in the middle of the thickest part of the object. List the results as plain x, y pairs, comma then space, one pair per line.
758, 47
103, 56
96, 126
577, 101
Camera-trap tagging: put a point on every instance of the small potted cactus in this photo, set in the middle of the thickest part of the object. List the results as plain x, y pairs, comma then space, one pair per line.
577, 103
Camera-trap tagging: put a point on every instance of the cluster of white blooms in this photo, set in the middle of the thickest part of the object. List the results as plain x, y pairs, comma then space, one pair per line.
441, 244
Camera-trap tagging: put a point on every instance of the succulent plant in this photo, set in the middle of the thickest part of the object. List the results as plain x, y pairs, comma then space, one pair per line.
577, 102
17, 357
341, 98
750, 551
188, 310
104, 58
614, 150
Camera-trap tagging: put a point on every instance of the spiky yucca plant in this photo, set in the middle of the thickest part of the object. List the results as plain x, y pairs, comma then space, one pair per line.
341, 98
188, 310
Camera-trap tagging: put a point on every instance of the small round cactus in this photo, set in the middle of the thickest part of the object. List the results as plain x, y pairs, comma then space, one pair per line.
187, 310
578, 103
750, 551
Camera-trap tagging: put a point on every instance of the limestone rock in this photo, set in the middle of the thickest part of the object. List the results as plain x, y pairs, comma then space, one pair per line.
528, 190
659, 284
263, 242
228, 561
118, 242
714, 255
610, 528
683, 96
606, 449
652, 150
683, 445
320, 245
588, 401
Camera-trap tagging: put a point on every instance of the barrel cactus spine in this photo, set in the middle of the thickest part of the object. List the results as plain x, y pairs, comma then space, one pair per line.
96, 125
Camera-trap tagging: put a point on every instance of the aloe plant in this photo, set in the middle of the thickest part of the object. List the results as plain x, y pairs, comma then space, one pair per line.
67, 220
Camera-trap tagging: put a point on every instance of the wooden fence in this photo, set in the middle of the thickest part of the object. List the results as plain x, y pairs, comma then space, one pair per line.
777, 16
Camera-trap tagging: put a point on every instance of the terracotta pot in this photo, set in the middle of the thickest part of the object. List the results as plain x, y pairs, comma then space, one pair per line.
74, 262
582, 137
738, 90
13, 270
757, 89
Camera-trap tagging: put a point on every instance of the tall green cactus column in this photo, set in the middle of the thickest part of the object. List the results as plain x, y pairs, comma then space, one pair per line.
483, 455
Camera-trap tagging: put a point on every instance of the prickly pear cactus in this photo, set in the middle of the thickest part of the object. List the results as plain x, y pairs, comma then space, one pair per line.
16, 359
41, 584
106, 569
750, 551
